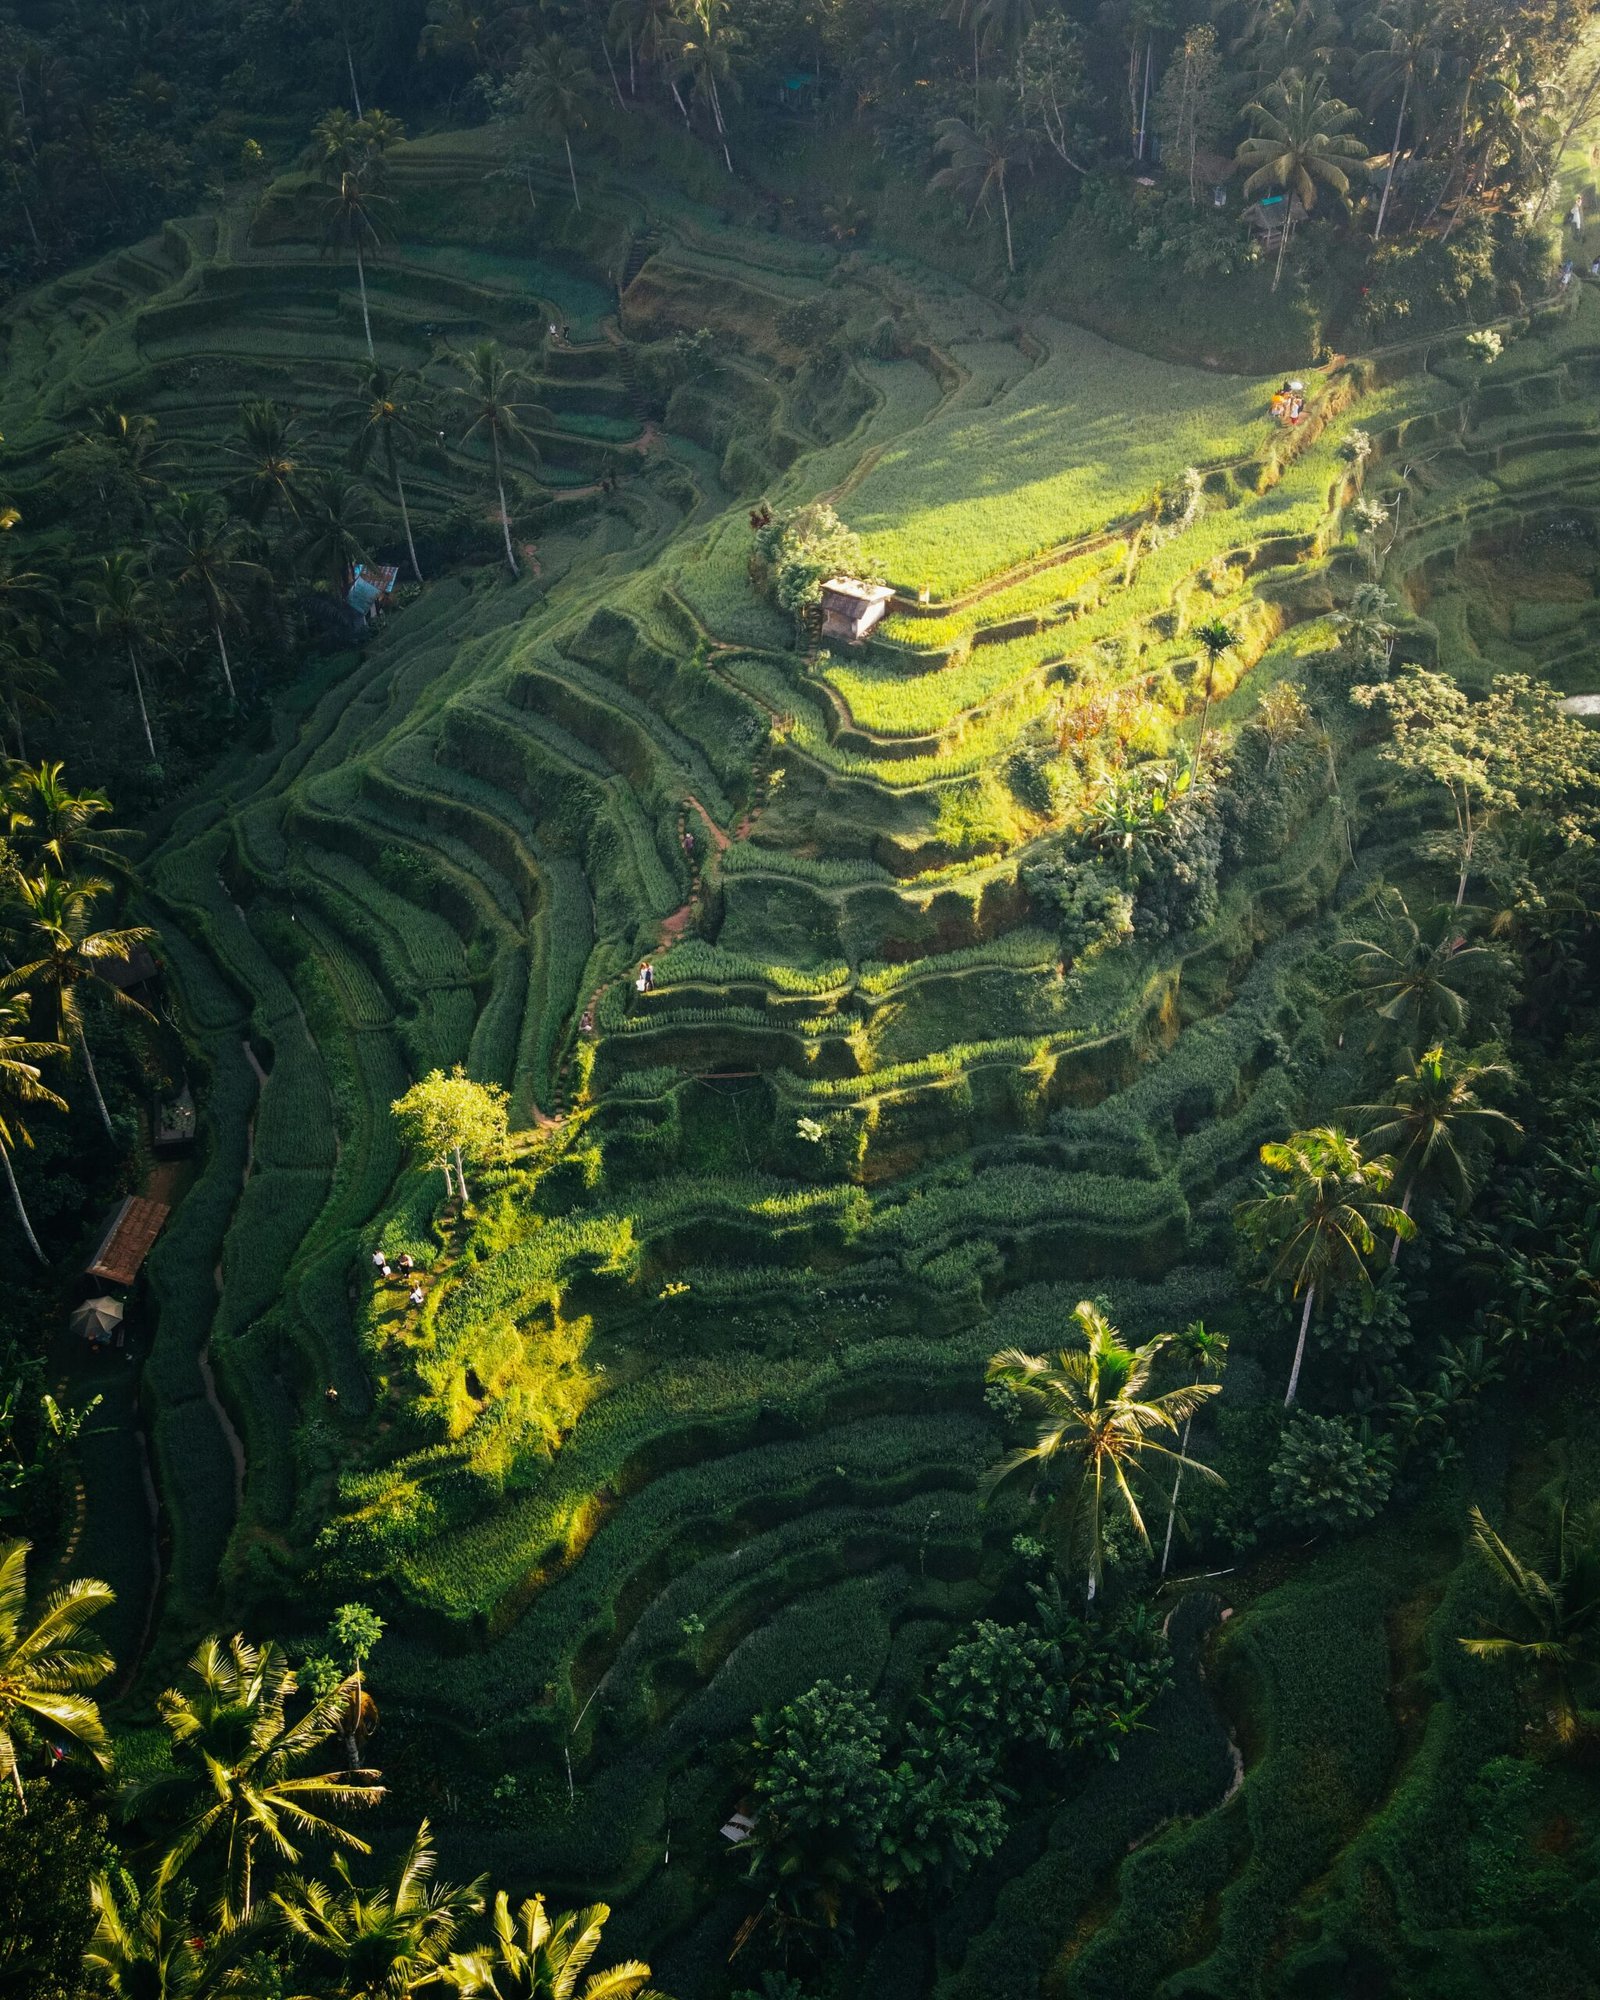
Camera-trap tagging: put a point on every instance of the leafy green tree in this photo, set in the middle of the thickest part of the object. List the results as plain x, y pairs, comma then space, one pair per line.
802, 550
1407, 49
200, 548
536, 1956
267, 444
1205, 1352
238, 1766
50, 1854
1282, 719
335, 528
1432, 1110
1302, 141
555, 91
353, 1631
1097, 1419
452, 1117
1366, 628
1192, 110
1549, 1629
21, 1088
978, 156
1217, 638
1315, 1233
705, 42
385, 1943
127, 610
384, 411
65, 957
144, 1946
490, 401
1415, 977
46, 1661
1329, 1472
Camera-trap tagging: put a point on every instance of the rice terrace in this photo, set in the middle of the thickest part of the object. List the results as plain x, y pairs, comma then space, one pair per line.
798, 1070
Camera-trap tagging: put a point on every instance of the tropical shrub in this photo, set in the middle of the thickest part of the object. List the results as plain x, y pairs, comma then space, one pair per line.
1330, 1472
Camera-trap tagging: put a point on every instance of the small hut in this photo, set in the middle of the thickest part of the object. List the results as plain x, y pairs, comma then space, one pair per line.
371, 584
1271, 215
851, 608
126, 1243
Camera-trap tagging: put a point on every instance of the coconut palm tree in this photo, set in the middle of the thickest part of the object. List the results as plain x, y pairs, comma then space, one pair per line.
1406, 38
980, 155
239, 1762
1433, 1107
126, 608
384, 1943
64, 953
352, 219
1302, 141
46, 1662
489, 401
200, 548
644, 29
1412, 976
48, 824
142, 1948
1317, 1231
555, 87
335, 527
1551, 1624
1095, 1415
535, 1956
21, 1087
704, 39
269, 447
1206, 1353
1366, 627
1216, 637
384, 411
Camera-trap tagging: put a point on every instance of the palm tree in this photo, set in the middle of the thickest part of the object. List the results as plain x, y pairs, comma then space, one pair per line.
383, 411
1096, 1413
335, 527
489, 397
535, 1956
704, 39
1316, 1233
980, 155
200, 548
21, 1086
46, 1663
1282, 718
1407, 52
142, 1949
1366, 627
238, 1759
1216, 638
644, 28
64, 953
1302, 141
1433, 1106
1410, 977
267, 443
385, 1943
1552, 1619
48, 823
351, 216
136, 449
126, 607
555, 87
1206, 1352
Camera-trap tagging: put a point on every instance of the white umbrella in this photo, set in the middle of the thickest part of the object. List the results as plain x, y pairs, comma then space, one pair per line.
96, 1319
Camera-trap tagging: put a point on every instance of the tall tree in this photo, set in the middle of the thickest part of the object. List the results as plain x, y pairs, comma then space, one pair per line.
268, 445
1205, 1352
451, 1117
21, 1088
238, 1762
1216, 638
201, 549
46, 1662
1414, 977
490, 402
353, 214
705, 41
1098, 1418
50, 825
126, 607
65, 956
1302, 141
335, 527
555, 90
1550, 1623
1315, 1233
979, 156
1407, 51
384, 411
534, 1956
1192, 110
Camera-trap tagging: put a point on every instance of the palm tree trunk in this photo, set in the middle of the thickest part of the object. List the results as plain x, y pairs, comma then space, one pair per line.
1283, 240
1144, 105
500, 488
1172, 1505
222, 655
366, 317
677, 98
144, 713
350, 65
1388, 179
1300, 1346
461, 1176
27, 1226
1405, 1209
605, 50
94, 1081
572, 173
1205, 713
393, 457
1464, 815
1005, 210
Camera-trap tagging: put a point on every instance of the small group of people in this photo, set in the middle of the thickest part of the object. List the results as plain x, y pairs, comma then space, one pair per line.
560, 333
1289, 402
405, 1267
646, 981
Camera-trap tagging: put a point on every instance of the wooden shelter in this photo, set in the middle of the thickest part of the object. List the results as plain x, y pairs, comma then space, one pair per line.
851, 608
132, 1229
1271, 215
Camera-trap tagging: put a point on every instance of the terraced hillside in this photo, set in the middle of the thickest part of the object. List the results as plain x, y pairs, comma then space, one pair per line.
691, 1414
